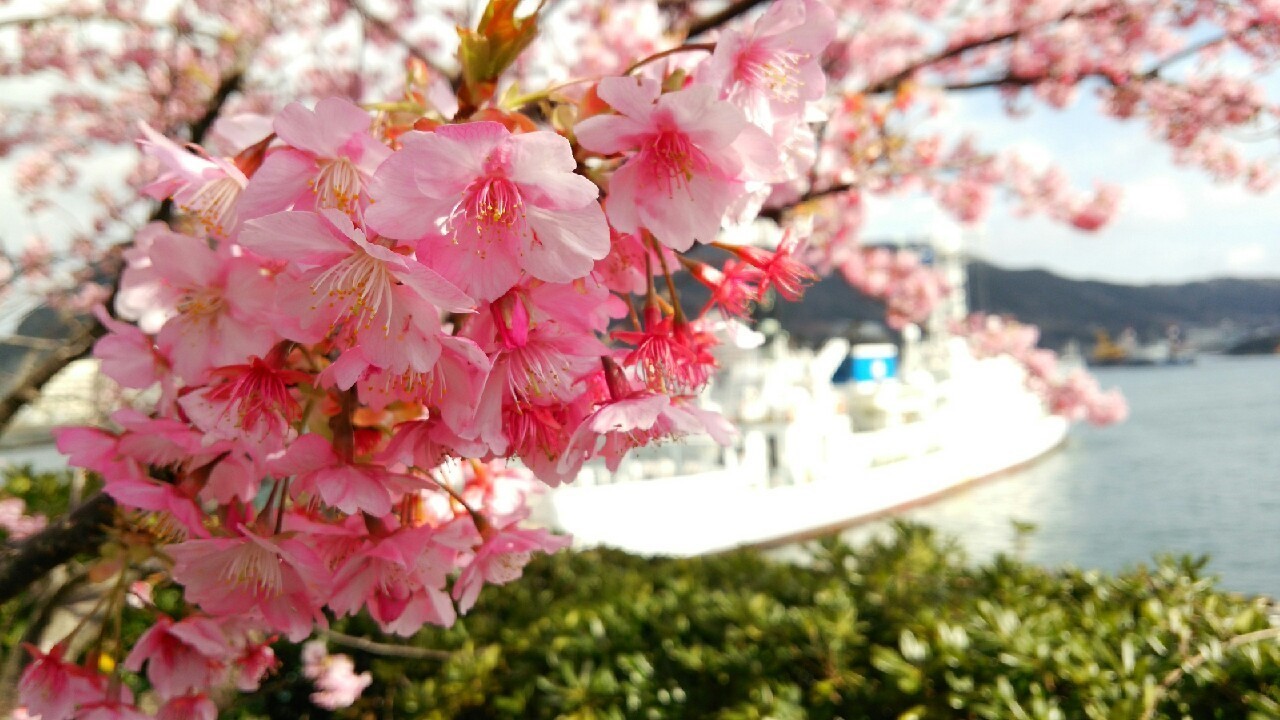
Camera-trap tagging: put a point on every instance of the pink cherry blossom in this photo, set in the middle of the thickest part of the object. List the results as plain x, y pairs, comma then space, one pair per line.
691, 156
780, 269
178, 514
254, 662
629, 418
328, 162
188, 707
128, 355
253, 403
665, 356
501, 559
180, 657
111, 710
206, 187
401, 579
491, 205
774, 68
348, 486
337, 685
15, 521
359, 291
733, 287
51, 688
278, 579
219, 305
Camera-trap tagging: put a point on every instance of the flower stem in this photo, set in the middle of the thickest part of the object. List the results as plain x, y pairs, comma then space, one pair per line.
690, 47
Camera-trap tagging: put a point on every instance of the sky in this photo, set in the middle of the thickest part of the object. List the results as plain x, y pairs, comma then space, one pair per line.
1174, 223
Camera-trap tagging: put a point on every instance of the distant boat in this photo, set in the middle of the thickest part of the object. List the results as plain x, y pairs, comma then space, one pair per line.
1127, 352
1264, 343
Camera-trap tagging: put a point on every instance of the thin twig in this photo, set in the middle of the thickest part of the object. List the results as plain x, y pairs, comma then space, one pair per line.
387, 649
688, 47
893, 81
1201, 658
387, 29
715, 20
79, 531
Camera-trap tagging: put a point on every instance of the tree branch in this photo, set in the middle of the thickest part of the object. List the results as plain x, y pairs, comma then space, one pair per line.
1151, 73
893, 81
390, 31
715, 20
1190, 664
80, 530
231, 83
35, 378
776, 213
387, 649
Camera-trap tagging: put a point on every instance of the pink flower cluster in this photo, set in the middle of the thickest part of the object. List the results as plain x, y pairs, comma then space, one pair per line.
337, 684
368, 332
908, 288
15, 521
1073, 394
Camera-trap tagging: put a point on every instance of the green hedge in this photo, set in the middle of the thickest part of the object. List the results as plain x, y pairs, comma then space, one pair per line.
898, 629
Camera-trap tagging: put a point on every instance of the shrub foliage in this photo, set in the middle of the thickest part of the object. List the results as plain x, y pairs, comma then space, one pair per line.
901, 628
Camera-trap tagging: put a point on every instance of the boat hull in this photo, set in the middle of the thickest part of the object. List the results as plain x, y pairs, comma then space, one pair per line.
726, 508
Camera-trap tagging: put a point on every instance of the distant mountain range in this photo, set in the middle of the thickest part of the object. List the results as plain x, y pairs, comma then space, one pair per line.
1215, 312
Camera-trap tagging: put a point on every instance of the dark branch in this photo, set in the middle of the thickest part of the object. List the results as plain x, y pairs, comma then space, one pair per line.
378, 648
388, 30
776, 213
713, 21
1006, 81
230, 84
37, 376
1191, 51
81, 530
893, 81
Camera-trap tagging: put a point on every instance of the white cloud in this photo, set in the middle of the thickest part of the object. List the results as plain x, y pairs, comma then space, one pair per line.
1157, 199
1246, 259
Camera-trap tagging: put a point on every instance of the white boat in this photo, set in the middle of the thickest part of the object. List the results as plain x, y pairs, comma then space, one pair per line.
814, 455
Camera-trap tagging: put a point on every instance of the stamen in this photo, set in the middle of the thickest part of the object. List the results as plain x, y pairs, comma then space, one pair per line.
674, 159
337, 185
362, 284
778, 71
494, 204
253, 566
201, 304
214, 204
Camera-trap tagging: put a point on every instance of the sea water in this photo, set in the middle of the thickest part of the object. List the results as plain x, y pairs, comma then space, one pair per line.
1195, 470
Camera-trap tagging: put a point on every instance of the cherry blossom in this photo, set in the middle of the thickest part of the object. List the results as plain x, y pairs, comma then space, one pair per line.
695, 151
337, 685
328, 161
489, 205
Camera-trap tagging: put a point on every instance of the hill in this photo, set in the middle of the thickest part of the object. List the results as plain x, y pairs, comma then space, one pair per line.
1068, 309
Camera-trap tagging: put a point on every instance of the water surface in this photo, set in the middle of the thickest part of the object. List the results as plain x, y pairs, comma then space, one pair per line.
1195, 470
